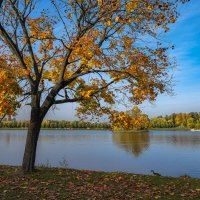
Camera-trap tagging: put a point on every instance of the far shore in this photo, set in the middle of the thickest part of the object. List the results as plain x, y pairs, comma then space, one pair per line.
129, 131
66, 129
170, 129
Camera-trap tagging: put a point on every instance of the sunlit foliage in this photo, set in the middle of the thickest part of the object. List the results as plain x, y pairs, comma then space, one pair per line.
91, 52
132, 120
177, 120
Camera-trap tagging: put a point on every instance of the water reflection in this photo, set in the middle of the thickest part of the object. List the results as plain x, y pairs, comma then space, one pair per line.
134, 143
9, 136
178, 151
137, 143
179, 140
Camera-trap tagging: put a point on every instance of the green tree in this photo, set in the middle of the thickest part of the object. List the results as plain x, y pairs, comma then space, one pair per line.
190, 122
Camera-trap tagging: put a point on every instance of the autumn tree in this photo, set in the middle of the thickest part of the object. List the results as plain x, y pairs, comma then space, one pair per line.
130, 120
9, 91
93, 52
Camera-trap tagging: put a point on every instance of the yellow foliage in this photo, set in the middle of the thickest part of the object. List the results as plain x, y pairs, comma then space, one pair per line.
87, 94
131, 5
108, 23
116, 18
100, 2
69, 15
96, 53
130, 120
9, 92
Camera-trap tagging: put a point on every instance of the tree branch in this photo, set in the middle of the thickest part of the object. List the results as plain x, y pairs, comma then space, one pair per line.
1, 1
30, 49
15, 51
76, 99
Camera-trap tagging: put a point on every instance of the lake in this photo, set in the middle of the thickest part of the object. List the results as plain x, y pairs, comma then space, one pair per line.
171, 153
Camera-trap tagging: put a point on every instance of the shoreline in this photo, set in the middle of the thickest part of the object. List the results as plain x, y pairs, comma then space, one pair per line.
170, 129
129, 131
66, 129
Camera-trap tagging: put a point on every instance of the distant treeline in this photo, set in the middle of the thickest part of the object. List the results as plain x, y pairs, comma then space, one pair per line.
56, 124
180, 120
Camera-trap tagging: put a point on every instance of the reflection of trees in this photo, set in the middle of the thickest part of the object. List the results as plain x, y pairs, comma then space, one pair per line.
182, 140
134, 143
56, 135
8, 136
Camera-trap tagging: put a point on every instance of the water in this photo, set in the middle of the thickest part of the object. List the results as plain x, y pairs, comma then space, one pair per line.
171, 153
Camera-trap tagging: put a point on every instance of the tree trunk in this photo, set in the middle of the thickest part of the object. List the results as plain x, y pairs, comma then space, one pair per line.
37, 115
31, 145
32, 138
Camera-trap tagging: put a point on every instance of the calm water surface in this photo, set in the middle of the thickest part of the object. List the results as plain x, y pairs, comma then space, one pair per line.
171, 153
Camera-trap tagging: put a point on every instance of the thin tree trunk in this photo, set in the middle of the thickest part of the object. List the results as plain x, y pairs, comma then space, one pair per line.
37, 115
31, 141
28, 163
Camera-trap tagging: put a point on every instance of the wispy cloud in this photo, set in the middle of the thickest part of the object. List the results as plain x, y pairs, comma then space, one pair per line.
185, 35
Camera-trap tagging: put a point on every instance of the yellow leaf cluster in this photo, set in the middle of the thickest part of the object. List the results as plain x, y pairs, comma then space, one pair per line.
131, 120
9, 92
87, 93
132, 5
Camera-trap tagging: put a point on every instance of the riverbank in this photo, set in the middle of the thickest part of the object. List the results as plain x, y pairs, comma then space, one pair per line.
101, 129
56, 183
170, 129
130, 131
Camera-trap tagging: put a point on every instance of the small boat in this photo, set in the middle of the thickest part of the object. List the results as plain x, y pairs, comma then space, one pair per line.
195, 130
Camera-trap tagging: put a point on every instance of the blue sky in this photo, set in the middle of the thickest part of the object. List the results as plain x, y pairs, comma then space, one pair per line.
185, 36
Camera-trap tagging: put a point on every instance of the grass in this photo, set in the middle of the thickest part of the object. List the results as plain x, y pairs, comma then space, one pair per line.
57, 183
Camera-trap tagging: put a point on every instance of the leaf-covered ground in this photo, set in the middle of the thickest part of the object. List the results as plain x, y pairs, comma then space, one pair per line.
54, 183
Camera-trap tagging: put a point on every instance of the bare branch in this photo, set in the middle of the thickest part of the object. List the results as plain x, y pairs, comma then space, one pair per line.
1, 1
77, 99
23, 25
1, 118
59, 14
15, 51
